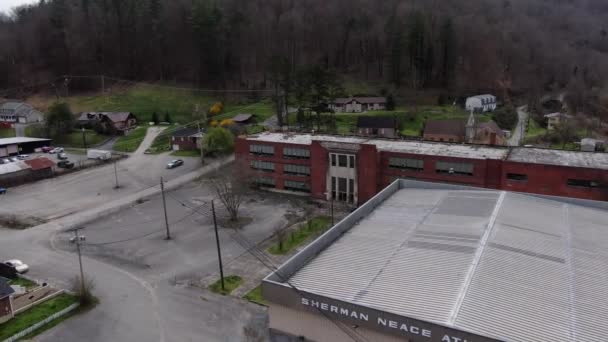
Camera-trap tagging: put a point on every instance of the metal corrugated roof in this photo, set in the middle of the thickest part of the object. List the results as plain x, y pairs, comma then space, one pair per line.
504, 265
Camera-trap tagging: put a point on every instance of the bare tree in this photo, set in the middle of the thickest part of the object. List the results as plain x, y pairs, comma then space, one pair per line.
231, 185
280, 235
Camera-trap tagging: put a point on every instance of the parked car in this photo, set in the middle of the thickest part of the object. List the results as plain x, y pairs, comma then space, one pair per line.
18, 265
47, 149
13, 159
65, 164
175, 163
6, 161
62, 156
56, 150
2, 191
23, 156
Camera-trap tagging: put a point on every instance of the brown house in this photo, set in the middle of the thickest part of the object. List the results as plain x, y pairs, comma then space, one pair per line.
186, 139
6, 301
377, 126
453, 130
469, 131
120, 122
488, 133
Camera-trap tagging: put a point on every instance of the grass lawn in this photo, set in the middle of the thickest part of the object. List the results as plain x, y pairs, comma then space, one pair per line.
255, 129
162, 143
7, 132
74, 139
23, 282
534, 130
196, 153
313, 227
130, 142
230, 282
35, 314
255, 296
261, 110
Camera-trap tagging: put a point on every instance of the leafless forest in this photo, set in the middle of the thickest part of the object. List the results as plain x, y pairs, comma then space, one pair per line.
510, 46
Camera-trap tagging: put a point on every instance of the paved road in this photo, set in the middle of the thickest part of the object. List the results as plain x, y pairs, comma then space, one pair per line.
136, 279
519, 131
61, 196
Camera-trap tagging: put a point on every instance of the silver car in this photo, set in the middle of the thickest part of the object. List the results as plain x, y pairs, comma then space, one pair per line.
18, 265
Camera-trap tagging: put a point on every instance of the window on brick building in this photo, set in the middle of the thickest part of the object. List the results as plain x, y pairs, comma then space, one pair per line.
333, 160
583, 183
342, 160
351, 162
265, 182
465, 169
406, 164
300, 170
264, 150
262, 165
517, 177
333, 187
296, 153
297, 186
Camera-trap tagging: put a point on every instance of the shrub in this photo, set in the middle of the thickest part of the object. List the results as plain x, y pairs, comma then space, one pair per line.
216, 109
218, 140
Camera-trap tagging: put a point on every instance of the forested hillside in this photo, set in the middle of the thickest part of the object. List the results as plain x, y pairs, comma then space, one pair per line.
506, 46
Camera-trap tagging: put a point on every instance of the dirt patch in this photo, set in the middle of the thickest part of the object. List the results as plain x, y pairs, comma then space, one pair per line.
17, 222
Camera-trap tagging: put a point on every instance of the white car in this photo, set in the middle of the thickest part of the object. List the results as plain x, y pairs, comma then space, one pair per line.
56, 150
18, 265
23, 156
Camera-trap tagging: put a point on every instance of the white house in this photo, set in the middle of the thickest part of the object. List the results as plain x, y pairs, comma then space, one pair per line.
17, 111
358, 104
554, 119
481, 103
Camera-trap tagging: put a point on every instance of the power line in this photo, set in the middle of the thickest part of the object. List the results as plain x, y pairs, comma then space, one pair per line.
257, 253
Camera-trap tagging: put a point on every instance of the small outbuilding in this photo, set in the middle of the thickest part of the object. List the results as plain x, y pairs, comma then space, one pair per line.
555, 119
6, 301
243, 119
21, 145
186, 139
377, 126
358, 104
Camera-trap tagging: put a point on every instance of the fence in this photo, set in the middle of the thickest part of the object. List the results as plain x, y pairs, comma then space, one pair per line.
42, 323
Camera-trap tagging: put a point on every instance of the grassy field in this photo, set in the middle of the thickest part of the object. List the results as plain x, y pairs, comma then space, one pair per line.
411, 120
145, 99
7, 132
162, 143
196, 153
255, 296
35, 314
74, 139
130, 142
23, 282
230, 282
534, 130
313, 227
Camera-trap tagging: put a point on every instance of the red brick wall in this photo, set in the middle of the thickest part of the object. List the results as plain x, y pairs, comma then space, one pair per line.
241, 151
368, 182
429, 174
185, 143
553, 180
318, 170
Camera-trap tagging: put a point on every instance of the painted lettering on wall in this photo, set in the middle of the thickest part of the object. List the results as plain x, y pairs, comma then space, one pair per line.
404, 327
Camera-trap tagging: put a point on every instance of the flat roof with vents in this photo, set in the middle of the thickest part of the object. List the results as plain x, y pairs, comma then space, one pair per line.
483, 265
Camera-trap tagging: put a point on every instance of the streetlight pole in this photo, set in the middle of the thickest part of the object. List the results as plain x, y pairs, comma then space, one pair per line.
77, 239
116, 174
162, 189
84, 140
217, 241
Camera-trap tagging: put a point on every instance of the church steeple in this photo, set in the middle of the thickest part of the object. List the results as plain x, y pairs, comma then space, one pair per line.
471, 128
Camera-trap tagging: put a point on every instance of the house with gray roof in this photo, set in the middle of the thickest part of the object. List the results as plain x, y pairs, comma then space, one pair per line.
358, 104
6, 301
14, 111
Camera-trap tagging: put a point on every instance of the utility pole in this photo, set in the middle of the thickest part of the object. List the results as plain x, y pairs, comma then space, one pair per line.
116, 174
217, 241
84, 140
162, 189
77, 239
331, 201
